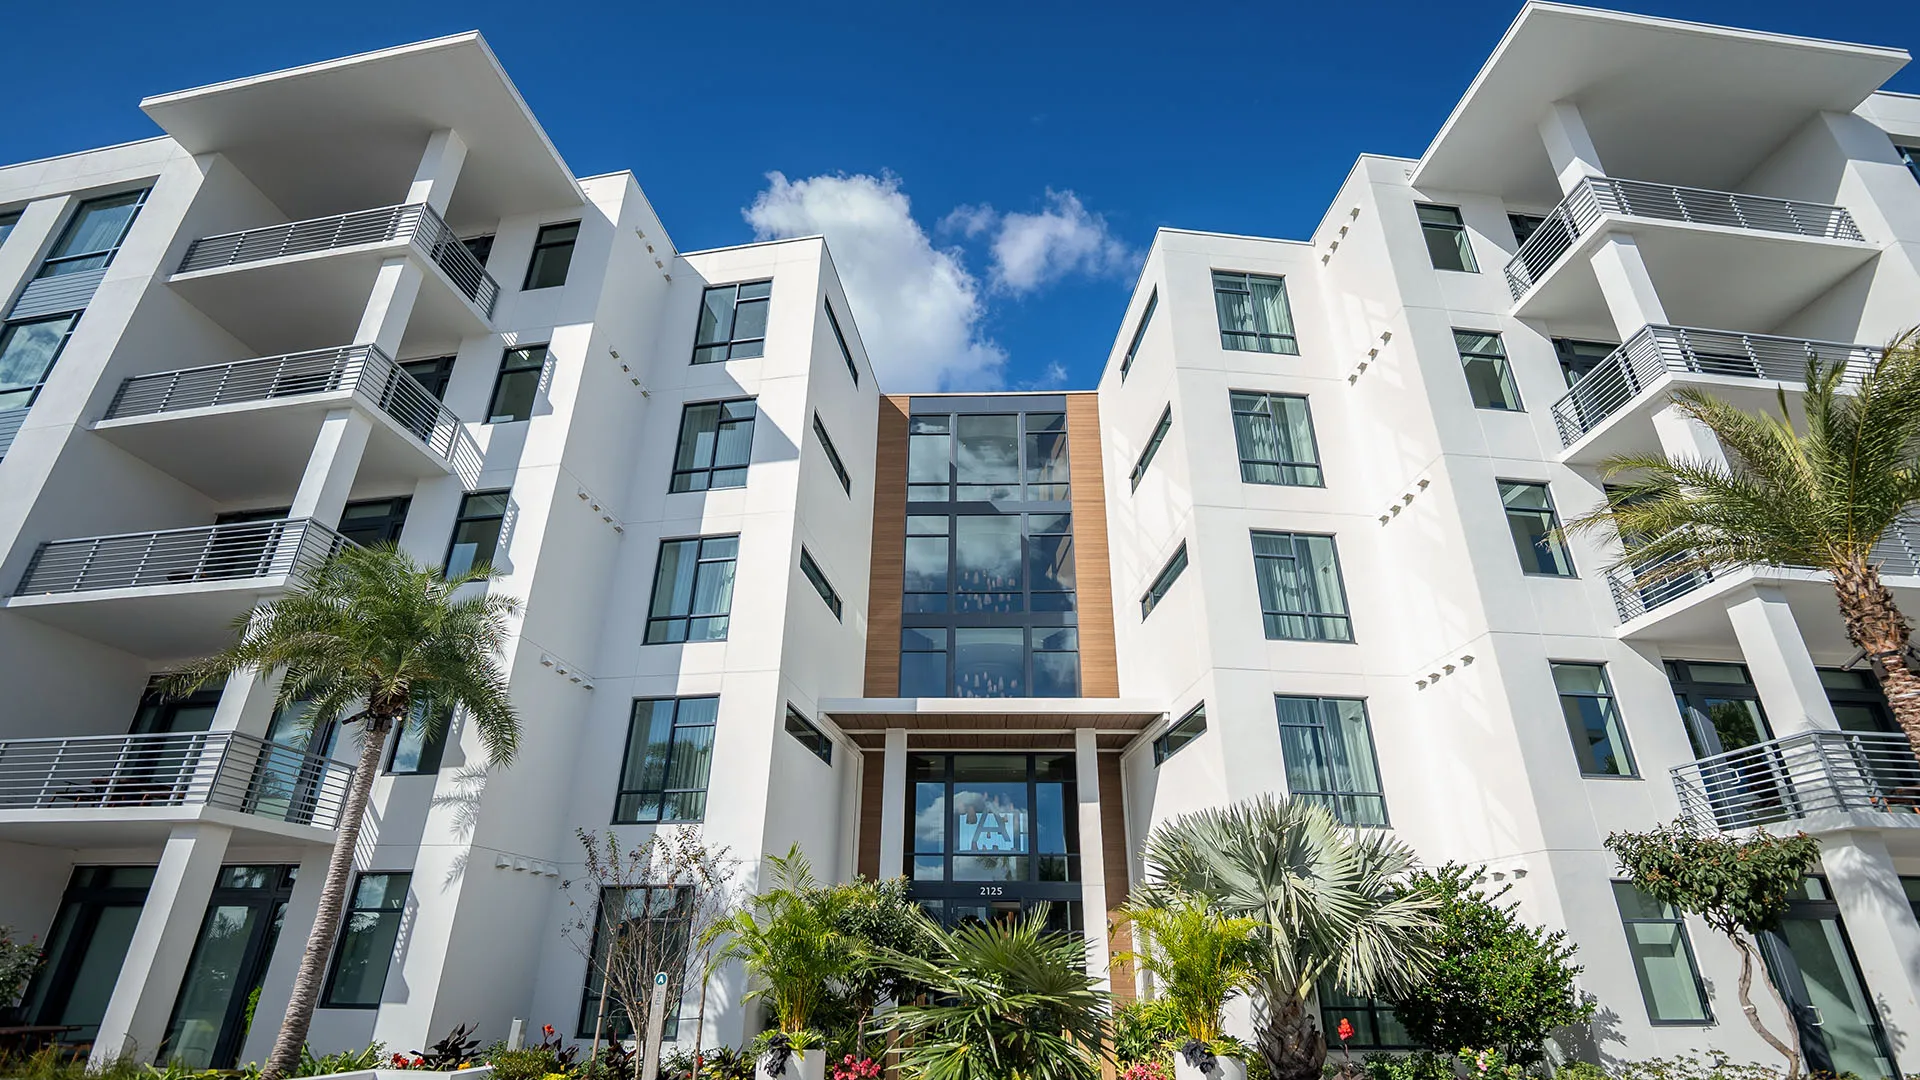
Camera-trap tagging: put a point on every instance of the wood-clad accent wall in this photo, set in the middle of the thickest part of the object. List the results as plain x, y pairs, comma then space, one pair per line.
1093, 581
889, 563
1114, 864
873, 801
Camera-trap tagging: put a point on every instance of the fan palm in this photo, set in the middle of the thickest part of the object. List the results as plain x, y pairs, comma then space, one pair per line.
789, 938
375, 632
1198, 957
1326, 902
1008, 1000
1820, 497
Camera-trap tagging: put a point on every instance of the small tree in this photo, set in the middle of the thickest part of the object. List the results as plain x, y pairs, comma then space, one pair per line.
18, 961
1740, 887
646, 910
878, 919
1498, 983
1199, 958
789, 939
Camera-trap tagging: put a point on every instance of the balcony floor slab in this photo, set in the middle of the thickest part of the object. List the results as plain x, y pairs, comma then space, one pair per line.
142, 826
162, 623
1697, 620
1629, 430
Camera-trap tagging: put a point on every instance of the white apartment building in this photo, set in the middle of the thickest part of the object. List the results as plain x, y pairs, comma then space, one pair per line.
1298, 540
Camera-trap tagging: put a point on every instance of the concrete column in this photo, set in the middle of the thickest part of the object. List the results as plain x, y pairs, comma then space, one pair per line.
246, 705
332, 466
1569, 148
1880, 921
1681, 436
1093, 877
389, 305
1626, 285
439, 168
163, 940
1777, 657
31, 236
287, 951
893, 805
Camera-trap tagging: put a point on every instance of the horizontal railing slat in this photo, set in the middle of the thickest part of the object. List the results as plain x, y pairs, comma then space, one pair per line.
177, 556
1640, 587
1799, 775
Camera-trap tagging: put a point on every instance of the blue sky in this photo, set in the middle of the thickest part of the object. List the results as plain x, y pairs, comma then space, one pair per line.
1037, 145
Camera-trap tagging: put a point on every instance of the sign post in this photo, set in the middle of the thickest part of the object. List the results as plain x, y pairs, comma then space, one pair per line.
656, 1020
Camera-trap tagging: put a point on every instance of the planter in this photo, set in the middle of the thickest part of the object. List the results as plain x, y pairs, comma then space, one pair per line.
1230, 1069
477, 1072
805, 1065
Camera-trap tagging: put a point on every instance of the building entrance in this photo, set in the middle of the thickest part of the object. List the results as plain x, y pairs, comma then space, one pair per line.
992, 835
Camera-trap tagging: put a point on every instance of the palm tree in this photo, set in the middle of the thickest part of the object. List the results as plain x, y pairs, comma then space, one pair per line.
789, 938
1008, 1000
1819, 499
1198, 957
1326, 900
373, 631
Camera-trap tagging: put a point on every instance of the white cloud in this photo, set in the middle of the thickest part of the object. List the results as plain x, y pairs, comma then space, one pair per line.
918, 307
1031, 250
969, 220
1052, 377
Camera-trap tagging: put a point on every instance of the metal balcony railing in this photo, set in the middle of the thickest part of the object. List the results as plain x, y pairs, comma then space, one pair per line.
179, 556
415, 222
222, 769
1793, 777
1638, 588
363, 369
1597, 195
1655, 350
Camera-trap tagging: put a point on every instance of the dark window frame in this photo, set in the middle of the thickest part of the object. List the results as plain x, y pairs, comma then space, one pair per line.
689, 617
808, 734
461, 517
348, 911
726, 342
542, 244
1911, 156
674, 727
32, 389
1524, 226
613, 1023
1139, 333
8, 220
1332, 799
1179, 733
435, 378
1611, 701
1555, 542
50, 262
1365, 1015
1152, 449
1281, 468
1677, 919
810, 569
1170, 572
433, 746
683, 478
1255, 340
1459, 240
1502, 364
480, 246
833, 455
1576, 358
509, 366
1340, 581
1033, 477
840, 338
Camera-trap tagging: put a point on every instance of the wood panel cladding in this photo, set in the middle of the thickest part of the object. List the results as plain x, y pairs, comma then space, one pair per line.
1093, 581
1114, 863
889, 562
873, 765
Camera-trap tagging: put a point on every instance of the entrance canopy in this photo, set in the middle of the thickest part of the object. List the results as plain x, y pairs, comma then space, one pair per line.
993, 723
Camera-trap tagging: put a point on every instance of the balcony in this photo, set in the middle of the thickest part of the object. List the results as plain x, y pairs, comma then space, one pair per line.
1720, 258
172, 594
242, 432
1818, 780
1609, 410
307, 282
63, 790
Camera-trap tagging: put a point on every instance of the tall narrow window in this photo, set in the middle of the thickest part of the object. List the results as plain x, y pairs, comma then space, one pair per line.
552, 255
1188, 728
1328, 745
1301, 595
1164, 580
663, 778
432, 373
1153, 447
480, 247
7, 222
93, 236
1593, 719
841, 340
1254, 316
1447, 242
517, 385
1535, 529
1275, 436
367, 937
716, 442
476, 531
733, 322
421, 742
819, 581
1489, 379
833, 455
930, 459
693, 590
1662, 958
1579, 357
28, 350
923, 661
811, 737
655, 922
1139, 332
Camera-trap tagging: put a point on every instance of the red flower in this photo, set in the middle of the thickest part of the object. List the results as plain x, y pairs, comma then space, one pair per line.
399, 1059
548, 1028
1346, 1029
419, 1062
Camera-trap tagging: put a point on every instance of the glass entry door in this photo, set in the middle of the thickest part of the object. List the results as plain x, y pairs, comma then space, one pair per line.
1812, 960
86, 947
1721, 709
229, 963
991, 835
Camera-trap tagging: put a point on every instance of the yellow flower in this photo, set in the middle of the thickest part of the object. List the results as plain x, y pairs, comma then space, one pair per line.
466, 1065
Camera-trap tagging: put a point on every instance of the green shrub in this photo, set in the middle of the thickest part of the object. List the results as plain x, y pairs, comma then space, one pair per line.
1146, 1031
1714, 1066
530, 1063
1580, 1070
1420, 1065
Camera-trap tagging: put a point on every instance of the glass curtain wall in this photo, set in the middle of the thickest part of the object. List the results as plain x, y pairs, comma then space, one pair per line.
993, 834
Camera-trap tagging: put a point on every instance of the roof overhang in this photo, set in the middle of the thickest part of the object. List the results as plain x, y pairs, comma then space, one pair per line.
992, 714
1663, 100
348, 134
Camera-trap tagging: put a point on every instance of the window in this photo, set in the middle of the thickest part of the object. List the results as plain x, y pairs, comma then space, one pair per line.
1593, 719
1188, 728
374, 521
367, 938
733, 322
421, 742
1275, 435
1139, 331
7, 222
93, 237
1535, 529
1489, 380
841, 339
663, 777
1524, 226
810, 736
1164, 580
819, 581
716, 441
1253, 311
1329, 750
1301, 595
988, 457
1579, 357
990, 661
1153, 447
517, 385
1910, 155
833, 455
552, 255
1447, 243
431, 373
655, 922
1375, 1027
1662, 958
1858, 703
481, 248
923, 661
476, 531
692, 590
28, 350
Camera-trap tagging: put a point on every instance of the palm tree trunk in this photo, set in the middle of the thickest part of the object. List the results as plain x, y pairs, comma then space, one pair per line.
1290, 1041
326, 921
1789, 1048
1876, 625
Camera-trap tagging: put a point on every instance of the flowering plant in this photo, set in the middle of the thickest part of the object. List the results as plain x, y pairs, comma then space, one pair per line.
402, 1061
852, 1068
1147, 1070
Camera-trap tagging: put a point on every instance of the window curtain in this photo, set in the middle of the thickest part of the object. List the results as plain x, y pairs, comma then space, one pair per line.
1270, 312
1235, 307
713, 585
